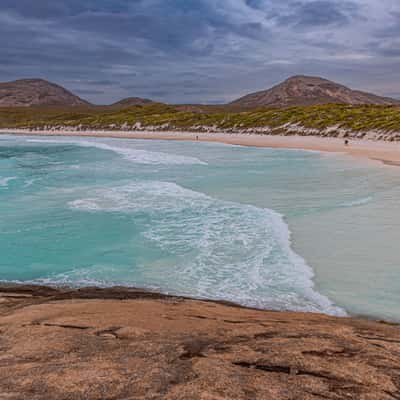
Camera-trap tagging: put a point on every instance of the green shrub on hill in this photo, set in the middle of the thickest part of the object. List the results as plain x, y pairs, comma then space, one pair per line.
356, 118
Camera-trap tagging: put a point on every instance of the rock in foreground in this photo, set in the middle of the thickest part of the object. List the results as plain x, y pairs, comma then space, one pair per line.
126, 344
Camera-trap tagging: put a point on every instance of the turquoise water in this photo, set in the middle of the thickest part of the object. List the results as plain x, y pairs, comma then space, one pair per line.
204, 220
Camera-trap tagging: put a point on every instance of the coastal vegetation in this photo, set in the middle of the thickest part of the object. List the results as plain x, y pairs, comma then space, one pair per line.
328, 119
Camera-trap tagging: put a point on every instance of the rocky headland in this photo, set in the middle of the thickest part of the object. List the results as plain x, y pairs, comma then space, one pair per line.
128, 344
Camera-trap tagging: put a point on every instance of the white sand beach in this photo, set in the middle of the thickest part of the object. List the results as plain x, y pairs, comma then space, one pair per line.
386, 152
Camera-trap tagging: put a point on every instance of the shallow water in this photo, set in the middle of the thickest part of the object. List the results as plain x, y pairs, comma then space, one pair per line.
204, 220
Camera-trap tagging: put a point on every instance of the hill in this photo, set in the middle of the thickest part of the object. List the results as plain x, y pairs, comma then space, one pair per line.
309, 90
36, 92
132, 101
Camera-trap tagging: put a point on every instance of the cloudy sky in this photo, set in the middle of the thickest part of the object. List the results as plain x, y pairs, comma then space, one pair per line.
207, 51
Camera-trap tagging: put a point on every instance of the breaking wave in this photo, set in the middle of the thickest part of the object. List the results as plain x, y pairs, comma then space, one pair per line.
138, 156
220, 249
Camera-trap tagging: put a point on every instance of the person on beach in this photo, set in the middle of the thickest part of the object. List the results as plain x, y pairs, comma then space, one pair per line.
346, 142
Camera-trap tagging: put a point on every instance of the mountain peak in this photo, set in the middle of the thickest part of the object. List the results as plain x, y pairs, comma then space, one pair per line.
36, 92
302, 90
31, 80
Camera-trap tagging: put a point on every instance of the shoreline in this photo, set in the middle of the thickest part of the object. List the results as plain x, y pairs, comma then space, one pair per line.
362, 149
387, 153
60, 293
379, 153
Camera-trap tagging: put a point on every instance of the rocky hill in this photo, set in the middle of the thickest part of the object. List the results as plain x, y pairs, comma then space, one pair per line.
132, 101
36, 92
309, 90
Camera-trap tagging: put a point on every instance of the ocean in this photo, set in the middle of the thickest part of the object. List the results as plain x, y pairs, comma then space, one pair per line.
267, 228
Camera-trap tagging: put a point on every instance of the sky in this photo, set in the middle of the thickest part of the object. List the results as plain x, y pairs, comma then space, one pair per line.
199, 51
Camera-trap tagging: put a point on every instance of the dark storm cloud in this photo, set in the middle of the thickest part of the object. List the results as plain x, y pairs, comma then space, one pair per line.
320, 12
48, 9
194, 50
387, 38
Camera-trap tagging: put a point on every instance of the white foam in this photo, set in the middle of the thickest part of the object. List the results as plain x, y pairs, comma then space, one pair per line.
4, 181
85, 204
358, 202
220, 249
134, 155
30, 182
149, 196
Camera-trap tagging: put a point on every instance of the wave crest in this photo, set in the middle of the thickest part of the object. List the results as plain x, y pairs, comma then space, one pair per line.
217, 249
134, 155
